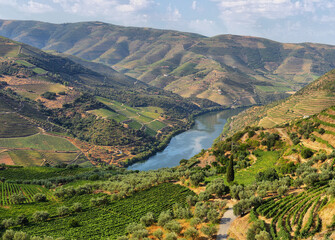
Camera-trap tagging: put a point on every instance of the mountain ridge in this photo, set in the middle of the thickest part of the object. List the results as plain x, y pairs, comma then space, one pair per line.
228, 69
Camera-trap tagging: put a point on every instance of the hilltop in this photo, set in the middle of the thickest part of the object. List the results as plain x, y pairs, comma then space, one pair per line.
227, 69
83, 115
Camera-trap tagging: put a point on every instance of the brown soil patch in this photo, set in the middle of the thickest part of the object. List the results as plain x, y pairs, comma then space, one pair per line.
315, 145
6, 159
327, 213
238, 229
206, 159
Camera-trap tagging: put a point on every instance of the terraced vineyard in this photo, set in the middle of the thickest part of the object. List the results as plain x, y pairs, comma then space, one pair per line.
296, 215
136, 118
8, 189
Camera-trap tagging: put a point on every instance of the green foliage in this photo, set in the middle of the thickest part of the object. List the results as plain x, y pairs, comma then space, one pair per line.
230, 171
49, 95
306, 153
269, 174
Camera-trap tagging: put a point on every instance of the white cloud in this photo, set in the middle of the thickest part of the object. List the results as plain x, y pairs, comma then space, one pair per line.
29, 7
173, 14
35, 7
245, 14
194, 5
125, 11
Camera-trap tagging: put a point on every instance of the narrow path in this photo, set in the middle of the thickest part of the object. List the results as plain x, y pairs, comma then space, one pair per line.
225, 223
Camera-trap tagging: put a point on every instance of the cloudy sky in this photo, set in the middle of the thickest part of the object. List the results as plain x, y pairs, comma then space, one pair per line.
281, 20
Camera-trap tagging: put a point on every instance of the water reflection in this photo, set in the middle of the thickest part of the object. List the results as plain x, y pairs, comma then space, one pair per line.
187, 144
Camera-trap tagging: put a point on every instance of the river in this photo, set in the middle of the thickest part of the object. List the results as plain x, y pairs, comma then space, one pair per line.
206, 129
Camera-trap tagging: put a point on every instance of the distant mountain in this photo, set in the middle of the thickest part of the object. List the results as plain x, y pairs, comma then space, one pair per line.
310, 100
227, 69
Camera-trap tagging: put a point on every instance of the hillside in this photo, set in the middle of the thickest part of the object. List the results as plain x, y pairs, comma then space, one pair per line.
283, 188
108, 117
227, 69
310, 100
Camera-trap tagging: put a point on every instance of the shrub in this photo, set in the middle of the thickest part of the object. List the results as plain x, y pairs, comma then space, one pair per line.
40, 216
148, 219
73, 223
49, 95
191, 233
8, 235
21, 236
40, 197
77, 207
63, 210
158, 234
163, 218
173, 226
18, 198
22, 220
209, 231
171, 236
7, 223
306, 153
212, 215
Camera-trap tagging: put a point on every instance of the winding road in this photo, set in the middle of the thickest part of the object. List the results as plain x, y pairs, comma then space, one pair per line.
225, 223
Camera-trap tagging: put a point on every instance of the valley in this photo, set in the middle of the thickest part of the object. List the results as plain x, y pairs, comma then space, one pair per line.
230, 124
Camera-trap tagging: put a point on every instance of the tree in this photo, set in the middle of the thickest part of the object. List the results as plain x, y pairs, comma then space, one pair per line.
40, 197
158, 234
77, 207
18, 198
230, 170
212, 215
191, 233
63, 210
173, 226
263, 235
163, 218
171, 236
40, 216
306, 153
209, 230
8, 235
148, 219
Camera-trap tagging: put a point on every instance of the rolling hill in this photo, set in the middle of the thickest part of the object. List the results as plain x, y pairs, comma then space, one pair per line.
227, 69
107, 116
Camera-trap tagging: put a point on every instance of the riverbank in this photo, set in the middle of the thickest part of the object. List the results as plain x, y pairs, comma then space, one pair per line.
190, 123
186, 144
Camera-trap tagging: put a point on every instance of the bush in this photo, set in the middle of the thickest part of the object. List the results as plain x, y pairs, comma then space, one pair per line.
18, 198
306, 153
148, 219
164, 218
73, 223
40, 197
63, 210
173, 226
77, 207
191, 233
49, 95
40, 216
22, 220
8, 235
7, 223
21, 236
209, 231
212, 215
171, 236
158, 234
195, 221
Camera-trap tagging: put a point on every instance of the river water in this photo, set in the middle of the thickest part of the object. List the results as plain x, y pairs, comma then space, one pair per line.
206, 129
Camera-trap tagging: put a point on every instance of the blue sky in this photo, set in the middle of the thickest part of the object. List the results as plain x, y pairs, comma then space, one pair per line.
280, 20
